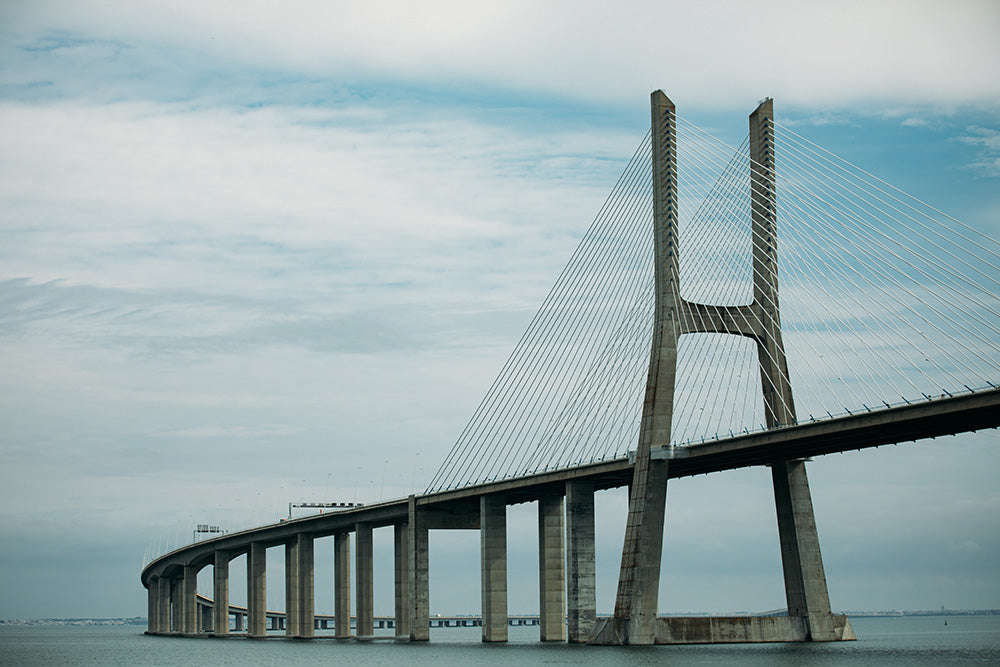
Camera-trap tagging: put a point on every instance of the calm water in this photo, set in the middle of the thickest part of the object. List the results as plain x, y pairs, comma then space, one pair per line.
912, 640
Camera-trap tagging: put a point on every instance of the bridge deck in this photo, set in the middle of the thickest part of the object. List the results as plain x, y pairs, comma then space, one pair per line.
933, 418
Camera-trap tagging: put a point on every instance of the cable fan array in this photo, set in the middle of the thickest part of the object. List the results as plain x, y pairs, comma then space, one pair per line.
882, 298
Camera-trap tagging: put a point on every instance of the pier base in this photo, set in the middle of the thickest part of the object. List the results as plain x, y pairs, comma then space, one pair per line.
724, 630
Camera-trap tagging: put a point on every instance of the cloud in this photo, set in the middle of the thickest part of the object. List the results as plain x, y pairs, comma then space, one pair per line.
988, 141
706, 54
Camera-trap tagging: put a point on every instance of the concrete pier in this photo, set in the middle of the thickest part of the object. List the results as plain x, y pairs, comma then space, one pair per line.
220, 576
364, 577
581, 584
153, 605
401, 571
189, 600
342, 585
493, 550
176, 624
257, 590
419, 575
163, 605
306, 588
291, 587
551, 570
802, 562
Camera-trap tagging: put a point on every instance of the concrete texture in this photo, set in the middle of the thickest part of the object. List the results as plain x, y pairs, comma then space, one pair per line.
364, 577
291, 587
342, 584
305, 588
493, 556
551, 570
256, 590
419, 574
581, 599
639, 577
189, 600
220, 580
401, 578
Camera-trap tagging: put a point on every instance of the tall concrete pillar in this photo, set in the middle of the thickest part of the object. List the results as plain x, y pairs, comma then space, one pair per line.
205, 614
342, 584
306, 588
634, 621
176, 606
220, 616
291, 587
419, 574
401, 566
238, 622
163, 602
581, 600
493, 543
153, 605
551, 570
364, 578
802, 563
257, 590
189, 600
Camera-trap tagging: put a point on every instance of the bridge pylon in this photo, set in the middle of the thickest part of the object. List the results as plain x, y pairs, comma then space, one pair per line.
636, 619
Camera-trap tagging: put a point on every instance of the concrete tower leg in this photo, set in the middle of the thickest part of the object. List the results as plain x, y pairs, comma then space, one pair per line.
220, 576
581, 600
493, 549
551, 570
634, 621
802, 564
257, 590
365, 580
342, 585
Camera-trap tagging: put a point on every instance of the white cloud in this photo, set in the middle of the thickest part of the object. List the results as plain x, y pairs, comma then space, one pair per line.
703, 54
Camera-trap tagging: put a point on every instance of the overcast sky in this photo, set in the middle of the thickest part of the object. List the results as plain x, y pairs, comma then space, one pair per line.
259, 253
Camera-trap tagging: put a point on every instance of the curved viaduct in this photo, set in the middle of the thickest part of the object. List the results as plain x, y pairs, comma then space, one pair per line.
566, 539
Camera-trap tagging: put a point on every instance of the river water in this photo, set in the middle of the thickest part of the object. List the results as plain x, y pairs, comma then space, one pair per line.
924, 640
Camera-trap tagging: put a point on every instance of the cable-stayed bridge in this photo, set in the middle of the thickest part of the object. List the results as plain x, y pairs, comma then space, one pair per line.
667, 349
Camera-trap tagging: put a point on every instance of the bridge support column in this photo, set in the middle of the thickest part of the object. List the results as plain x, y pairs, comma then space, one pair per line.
292, 582
176, 609
342, 585
238, 622
189, 600
257, 590
419, 575
220, 576
802, 563
153, 605
581, 600
401, 567
163, 604
493, 548
306, 587
364, 577
551, 570
205, 616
